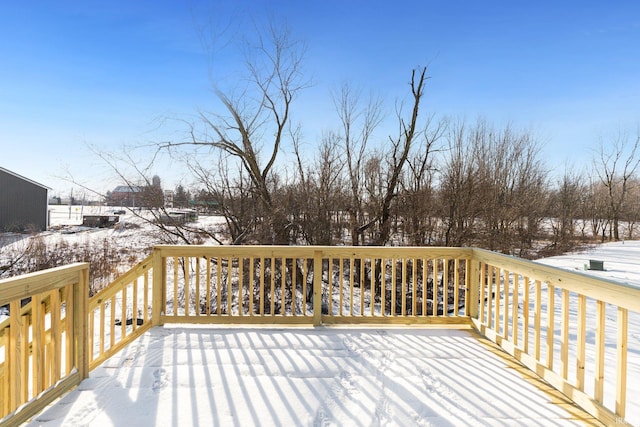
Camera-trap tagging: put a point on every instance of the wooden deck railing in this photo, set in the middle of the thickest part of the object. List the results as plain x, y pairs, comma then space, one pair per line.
43, 342
120, 313
312, 285
538, 314
569, 328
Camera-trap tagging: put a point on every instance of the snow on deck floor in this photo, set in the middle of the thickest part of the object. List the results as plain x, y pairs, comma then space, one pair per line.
182, 376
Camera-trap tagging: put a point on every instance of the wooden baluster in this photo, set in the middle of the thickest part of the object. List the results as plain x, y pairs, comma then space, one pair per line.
581, 330
434, 299
598, 393
341, 286
564, 335
537, 319
241, 286
505, 319
621, 358
525, 314
456, 286
550, 324
197, 291
262, 275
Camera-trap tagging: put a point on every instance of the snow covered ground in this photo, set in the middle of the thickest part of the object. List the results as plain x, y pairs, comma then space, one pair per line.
621, 261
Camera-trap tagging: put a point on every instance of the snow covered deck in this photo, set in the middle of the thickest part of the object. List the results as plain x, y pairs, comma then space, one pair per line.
238, 376
579, 333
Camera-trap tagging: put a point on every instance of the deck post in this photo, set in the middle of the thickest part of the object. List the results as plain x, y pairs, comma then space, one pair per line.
80, 320
317, 288
474, 289
158, 287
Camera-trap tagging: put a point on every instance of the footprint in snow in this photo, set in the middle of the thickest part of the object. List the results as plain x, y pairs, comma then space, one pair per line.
447, 398
347, 382
321, 419
383, 411
350, 345
83, 416
161, 380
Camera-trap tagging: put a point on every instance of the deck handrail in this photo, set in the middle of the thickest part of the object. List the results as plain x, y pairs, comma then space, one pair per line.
109, 331
291, 284
43, 343
531, 310
525, 307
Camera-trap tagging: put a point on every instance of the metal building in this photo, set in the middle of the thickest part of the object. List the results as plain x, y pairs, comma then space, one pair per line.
23, 203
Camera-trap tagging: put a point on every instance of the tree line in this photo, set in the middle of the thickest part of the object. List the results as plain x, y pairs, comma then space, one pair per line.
431, 181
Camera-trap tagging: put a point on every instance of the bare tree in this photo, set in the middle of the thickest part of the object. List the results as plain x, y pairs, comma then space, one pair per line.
459, 199
564, 210
417, 195
531, 189
493, 188
254, 127
631, 209
397, 157
596, 208
357, 126
615, 167
319, 194
232, 192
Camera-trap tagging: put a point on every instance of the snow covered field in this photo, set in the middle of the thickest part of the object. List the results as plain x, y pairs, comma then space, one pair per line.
621, 261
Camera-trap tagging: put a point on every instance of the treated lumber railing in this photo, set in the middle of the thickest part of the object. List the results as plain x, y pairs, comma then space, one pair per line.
43, 342
312, 285
569, 328
120, 313
556, 322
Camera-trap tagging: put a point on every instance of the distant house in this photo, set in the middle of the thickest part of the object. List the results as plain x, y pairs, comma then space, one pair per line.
126, 195
23, 203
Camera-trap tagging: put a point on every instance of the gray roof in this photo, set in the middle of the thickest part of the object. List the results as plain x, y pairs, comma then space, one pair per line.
127, 189
24, 178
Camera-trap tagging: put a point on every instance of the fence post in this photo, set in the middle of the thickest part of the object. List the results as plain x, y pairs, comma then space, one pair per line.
317, 288
473, 286
158, 290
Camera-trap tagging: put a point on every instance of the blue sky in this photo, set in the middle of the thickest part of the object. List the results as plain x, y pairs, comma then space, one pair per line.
106, 74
